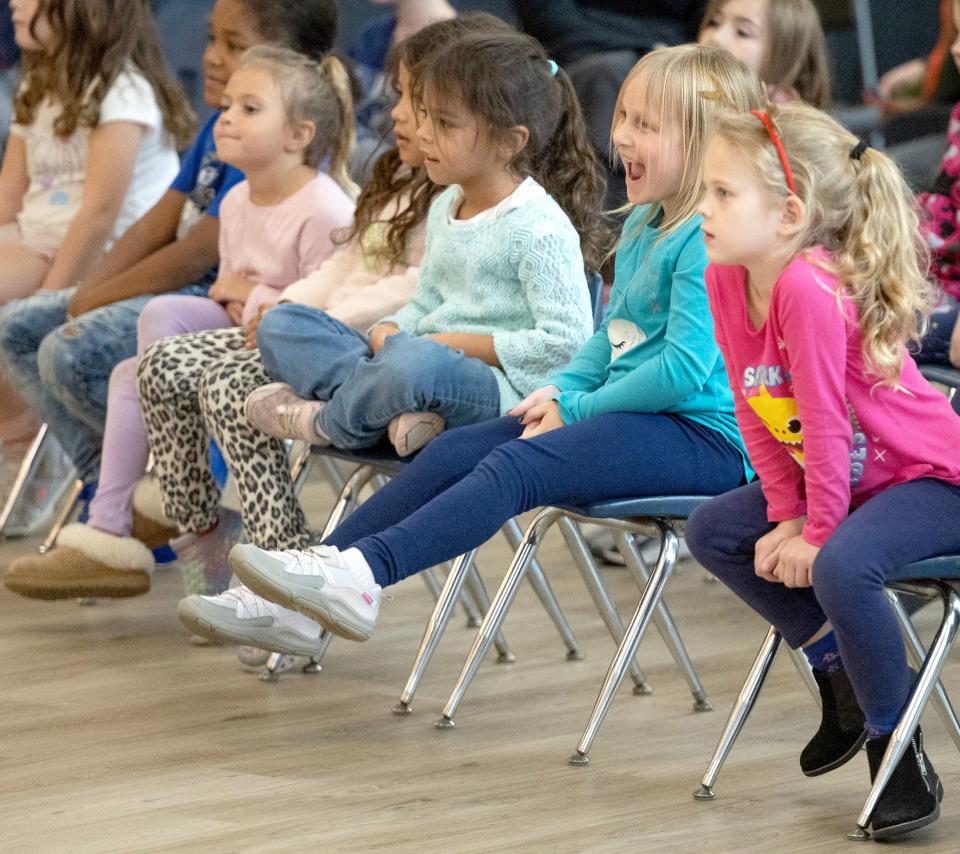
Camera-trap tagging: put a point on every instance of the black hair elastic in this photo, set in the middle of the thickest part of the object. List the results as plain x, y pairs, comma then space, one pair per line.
857, 151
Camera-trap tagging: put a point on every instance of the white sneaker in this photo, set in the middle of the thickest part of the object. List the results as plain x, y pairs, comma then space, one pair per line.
317, 582
240, 616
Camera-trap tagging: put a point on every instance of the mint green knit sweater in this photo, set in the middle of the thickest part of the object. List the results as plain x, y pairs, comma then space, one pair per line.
518, 278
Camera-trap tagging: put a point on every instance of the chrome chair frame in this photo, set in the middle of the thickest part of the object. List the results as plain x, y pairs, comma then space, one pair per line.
929, 580
656, 516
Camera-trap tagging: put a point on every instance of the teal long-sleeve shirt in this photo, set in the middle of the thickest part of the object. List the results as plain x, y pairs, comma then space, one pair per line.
655, 351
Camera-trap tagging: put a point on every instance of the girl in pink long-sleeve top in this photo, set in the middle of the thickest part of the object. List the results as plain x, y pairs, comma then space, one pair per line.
816, 282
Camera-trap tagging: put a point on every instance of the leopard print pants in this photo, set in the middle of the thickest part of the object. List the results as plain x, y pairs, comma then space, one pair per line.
193, 387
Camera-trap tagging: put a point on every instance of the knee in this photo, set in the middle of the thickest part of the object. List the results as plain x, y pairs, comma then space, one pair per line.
699, 533
123, 379
841, 574
288, 320
59, 357
19, 331
152, 370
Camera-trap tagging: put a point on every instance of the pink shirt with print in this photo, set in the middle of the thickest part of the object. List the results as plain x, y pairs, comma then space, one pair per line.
821, 434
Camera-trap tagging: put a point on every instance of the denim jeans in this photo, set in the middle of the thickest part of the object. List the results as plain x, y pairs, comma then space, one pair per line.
324, 359
62, 368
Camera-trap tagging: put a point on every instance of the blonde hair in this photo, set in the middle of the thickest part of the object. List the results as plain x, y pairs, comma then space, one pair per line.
795, 57
861, 210
317, 92
690, 84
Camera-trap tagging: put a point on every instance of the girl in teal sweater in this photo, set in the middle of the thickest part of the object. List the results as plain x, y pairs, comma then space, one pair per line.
642, 409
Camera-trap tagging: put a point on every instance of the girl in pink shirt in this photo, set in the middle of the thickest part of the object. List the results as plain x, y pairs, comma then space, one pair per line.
815, 284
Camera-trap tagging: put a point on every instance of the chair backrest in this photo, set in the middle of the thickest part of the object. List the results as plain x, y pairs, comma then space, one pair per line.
595, 289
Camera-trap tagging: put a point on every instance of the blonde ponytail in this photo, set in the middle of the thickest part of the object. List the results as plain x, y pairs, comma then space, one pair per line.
317, 92
860, 209
341, 144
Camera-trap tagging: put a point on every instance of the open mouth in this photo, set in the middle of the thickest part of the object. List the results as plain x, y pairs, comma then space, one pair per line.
634, 170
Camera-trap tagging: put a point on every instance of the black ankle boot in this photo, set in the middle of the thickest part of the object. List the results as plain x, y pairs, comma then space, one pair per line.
841, 732
912, 797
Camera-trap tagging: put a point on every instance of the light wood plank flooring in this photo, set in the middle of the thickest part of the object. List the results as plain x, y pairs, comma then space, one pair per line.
118, 735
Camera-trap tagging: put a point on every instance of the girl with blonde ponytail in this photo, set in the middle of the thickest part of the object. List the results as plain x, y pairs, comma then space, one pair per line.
816, 283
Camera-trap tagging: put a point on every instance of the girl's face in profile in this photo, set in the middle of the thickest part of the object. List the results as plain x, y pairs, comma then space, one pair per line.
23, 12
651, 146
405, 122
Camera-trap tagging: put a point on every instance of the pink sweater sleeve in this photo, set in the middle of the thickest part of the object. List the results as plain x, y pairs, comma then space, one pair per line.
816, 335
780, 476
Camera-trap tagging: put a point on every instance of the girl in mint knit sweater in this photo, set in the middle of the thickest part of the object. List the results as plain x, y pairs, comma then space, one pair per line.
502, 300
642, 409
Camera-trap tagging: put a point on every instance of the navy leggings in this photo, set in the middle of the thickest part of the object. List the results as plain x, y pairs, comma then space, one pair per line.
468, 482
904, 523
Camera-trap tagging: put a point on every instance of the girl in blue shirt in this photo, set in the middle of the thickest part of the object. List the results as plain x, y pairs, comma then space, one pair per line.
642, 409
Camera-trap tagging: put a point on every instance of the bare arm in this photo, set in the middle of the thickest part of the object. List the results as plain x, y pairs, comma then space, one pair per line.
174, 265
14, 180
110, 160
475, 346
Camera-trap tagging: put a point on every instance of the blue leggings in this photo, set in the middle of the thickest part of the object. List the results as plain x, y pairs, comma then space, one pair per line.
468, 482
904, 523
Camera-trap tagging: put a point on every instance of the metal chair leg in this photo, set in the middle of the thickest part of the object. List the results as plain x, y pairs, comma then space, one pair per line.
69, 505
347, 498
301, 463
600, 595
27, 468
664, 619
739, 713
916, 653
435, 628
631, 641
541, 586
806, 672
910, 717
498, 609
479, 591
431, 582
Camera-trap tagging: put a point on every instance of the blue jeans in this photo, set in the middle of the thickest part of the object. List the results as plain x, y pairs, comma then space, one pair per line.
903, 524
324, 359
62, 368
467, 483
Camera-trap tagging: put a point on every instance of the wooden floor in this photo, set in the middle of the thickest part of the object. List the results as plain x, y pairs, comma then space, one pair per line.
118, 735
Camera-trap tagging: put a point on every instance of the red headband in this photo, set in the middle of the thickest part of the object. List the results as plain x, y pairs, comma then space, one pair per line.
775, 139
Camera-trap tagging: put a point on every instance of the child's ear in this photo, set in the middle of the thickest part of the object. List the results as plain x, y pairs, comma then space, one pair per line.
301, 135
515, 141
793, 216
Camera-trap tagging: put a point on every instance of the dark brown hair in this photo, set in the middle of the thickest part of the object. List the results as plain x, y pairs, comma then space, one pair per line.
391, 179
306, 26
94, 41
506, 79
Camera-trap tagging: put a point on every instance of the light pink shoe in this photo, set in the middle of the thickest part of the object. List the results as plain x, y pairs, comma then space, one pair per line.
410, 431
277, 410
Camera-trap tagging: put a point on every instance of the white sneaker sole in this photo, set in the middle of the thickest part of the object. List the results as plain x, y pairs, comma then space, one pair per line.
218, 623
333, 615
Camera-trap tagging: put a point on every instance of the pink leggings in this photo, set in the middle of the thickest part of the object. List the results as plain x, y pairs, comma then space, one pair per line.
125, 446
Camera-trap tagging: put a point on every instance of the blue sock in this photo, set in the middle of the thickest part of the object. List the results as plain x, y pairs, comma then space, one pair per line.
879, 726
824, 654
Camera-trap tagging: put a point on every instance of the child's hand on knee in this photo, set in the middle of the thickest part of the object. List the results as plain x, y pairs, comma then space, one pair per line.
542, 419
535, 398
795, 564
766, 553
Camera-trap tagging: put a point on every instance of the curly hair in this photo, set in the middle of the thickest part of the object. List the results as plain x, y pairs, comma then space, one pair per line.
861, 211
94, 41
